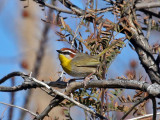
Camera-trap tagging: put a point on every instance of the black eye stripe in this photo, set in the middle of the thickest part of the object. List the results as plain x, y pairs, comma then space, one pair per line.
66, 53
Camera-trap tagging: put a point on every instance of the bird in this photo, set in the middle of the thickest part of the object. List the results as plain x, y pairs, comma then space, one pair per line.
78, 64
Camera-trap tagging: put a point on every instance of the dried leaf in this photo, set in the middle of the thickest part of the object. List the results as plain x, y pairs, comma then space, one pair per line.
129, 98
138, 94
63, 23
120, 99
116, 105
121, 107
123, 99
100, 26
99, 18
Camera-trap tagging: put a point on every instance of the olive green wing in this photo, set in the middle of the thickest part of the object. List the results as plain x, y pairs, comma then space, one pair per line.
84, 60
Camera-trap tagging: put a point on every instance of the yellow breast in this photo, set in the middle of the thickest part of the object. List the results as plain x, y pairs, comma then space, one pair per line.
65, 63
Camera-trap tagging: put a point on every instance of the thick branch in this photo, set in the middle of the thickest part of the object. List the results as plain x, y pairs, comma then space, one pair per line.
153, 89
54, 102
150, 13
144, 52
10, 75
61, 96
144, 5
141, 45
30, 82
54, 7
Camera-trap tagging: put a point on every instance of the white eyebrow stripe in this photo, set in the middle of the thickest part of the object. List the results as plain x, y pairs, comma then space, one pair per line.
69, 51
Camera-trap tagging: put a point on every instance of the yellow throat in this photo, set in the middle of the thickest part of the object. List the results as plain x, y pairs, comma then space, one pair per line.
65, 62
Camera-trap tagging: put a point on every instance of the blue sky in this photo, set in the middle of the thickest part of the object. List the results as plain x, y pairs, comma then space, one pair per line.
8, 53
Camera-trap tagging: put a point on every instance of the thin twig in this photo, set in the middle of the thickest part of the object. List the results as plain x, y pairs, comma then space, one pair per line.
149, 26
26, 110
54, 102
75, 34
2, 114
54, 7
12, 100
130, 110
142, 117
154, 108
66, 97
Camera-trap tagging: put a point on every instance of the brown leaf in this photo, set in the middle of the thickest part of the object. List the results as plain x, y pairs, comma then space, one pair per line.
138, 94
129, 98
121, 107
123, 99
116, 104
63, 23
99, 18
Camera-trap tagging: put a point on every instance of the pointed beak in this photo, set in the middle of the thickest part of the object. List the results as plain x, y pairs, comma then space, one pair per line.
59, 51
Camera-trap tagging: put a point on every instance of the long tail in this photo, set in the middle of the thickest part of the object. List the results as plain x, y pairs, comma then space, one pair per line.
105, 50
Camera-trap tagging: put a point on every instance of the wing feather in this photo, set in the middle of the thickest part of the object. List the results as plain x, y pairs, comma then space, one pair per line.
85, 60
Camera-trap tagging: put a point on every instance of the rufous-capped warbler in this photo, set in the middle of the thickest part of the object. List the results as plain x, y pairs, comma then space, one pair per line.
80, 64
77, 64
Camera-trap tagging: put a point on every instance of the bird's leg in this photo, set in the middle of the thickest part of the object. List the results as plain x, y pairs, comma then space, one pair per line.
87, 79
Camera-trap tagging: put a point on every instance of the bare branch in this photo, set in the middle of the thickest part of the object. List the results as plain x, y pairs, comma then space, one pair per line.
144, 5
12, 100
143, 117
32, 113
31, 84
152, 89
149, 26
144, 52
54, 7
130, 110
77, 11
10, 75
150, 13
142, 46
54, 102
75, 34
64, 97
154, 108
73, 7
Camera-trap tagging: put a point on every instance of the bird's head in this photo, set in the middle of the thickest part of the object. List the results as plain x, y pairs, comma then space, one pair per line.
66, 54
